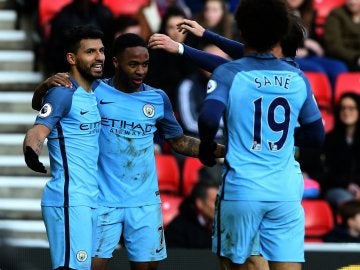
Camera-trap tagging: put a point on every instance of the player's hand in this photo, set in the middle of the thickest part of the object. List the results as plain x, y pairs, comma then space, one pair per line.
207, 154
32, 160
161, 41
191, 26
59, 79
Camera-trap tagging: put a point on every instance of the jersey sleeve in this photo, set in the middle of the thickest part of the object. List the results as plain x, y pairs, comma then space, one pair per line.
168, 126
56, 103
215, 103
219, 84
310, 111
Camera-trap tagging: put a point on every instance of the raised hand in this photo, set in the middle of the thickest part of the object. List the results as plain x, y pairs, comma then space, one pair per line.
161, 41
191, 26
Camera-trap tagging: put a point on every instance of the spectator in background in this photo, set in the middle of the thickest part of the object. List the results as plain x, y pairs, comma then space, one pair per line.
126, 24
342, 34
341, 153
166, 70
349, 229
192, 228
164, 5
216, 17
311, 57
78, 12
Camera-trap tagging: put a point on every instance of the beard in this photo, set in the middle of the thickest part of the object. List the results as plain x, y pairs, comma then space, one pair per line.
86, 73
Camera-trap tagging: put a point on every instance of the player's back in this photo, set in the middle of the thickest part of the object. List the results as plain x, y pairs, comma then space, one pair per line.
263, 105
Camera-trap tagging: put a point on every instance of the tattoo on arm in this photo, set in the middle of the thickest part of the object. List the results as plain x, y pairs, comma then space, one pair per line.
35, 138
220, 151
189, 146
186, 145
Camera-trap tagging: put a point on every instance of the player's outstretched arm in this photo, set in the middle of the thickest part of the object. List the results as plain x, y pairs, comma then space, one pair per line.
55, 80
203, 59
189, 146
32, 146
191, 26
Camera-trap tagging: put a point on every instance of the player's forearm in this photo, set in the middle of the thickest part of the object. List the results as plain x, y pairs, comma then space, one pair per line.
231, 47
186, 145
35, 140
203, 59
189, 146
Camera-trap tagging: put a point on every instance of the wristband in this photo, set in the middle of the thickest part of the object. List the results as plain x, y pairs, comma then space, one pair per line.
181, 49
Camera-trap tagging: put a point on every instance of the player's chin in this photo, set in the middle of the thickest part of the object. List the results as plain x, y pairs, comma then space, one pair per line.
137, 82
97, 74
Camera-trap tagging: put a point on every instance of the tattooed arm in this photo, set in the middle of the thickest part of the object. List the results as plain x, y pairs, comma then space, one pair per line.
32, 146
189, 146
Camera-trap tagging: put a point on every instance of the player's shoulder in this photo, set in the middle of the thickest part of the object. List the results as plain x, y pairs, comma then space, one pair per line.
60, 93
148, 88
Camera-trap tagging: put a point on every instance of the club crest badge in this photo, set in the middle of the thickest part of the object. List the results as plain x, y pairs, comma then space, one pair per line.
81, 255
211, 86
45, 110
149, 110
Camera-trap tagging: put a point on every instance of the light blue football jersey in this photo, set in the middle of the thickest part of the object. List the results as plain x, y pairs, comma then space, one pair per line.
74, 120
127, 171
265, 98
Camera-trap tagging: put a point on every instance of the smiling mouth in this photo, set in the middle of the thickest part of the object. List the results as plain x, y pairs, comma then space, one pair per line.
98, 67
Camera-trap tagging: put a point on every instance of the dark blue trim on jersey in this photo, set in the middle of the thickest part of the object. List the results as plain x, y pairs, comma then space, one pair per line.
221, 198
310, 135
95, 84
66, 194
218, 228
209, 119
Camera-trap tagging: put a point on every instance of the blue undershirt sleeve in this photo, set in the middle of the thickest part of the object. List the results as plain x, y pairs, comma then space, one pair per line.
231, 47
310, 135
209, 120
204, 60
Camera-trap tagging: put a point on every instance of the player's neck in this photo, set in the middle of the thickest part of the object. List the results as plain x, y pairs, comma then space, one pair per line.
119, 85
83, 82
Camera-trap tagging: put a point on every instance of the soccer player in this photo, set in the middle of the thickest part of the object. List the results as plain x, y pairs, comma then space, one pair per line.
131, 112
286, 50
70, 121
263, 99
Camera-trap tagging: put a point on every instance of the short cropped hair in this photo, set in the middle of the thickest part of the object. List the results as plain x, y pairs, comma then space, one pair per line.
205, 181
295, 37
349, 210
262, 23
125, 41
74, 35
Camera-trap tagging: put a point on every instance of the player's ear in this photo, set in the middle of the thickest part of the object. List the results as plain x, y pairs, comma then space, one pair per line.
70, 57
115, 62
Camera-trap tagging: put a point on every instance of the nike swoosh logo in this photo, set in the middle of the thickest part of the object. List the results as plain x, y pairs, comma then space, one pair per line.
158, 250
105, 102
83, 112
